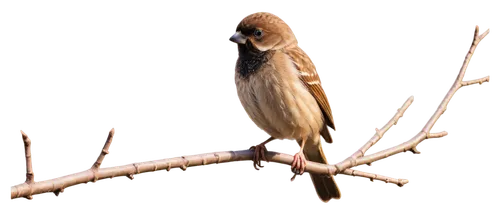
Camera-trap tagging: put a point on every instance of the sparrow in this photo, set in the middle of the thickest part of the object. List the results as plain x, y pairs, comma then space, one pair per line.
281, 92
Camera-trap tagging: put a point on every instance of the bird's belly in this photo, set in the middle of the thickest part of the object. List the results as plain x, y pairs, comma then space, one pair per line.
284, 109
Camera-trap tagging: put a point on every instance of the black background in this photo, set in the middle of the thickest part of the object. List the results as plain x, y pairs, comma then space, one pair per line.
164, 73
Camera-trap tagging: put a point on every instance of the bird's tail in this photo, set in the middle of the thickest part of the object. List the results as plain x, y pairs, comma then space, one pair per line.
325, 184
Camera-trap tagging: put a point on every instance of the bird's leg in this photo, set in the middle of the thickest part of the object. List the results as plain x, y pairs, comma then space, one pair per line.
299, 159
260, 153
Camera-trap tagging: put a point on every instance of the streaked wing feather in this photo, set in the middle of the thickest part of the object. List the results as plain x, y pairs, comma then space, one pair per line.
311, 80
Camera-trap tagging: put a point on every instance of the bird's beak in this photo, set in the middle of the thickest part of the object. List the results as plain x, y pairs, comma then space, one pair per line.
239, 38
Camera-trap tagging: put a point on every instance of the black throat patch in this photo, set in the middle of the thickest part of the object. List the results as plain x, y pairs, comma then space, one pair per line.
250, 59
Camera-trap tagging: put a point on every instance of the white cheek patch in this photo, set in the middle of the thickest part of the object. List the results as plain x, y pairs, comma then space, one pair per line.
273, 46
263, 48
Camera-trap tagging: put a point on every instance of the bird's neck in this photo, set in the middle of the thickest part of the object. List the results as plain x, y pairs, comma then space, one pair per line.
250, 59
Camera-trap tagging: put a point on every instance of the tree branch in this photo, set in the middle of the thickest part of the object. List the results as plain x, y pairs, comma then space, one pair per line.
30, 176
458, 82
425, 132
437, 135
104, 151
135, 168
480, 81
379, 133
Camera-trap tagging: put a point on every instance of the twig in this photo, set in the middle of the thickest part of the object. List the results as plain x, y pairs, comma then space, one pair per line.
379, 133
134, 168
30, 176
436, 135
480, 81
425, 132
371, 176
106, 148
458, 82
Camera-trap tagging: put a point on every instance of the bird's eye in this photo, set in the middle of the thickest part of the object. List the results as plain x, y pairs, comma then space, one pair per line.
258, 33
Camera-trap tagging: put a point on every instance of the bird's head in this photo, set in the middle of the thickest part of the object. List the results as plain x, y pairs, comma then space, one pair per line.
263, 31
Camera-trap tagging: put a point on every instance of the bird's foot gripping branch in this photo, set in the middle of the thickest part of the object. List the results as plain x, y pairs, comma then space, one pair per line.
95, 173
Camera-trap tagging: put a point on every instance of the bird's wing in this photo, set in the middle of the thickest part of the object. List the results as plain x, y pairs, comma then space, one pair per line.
311, 80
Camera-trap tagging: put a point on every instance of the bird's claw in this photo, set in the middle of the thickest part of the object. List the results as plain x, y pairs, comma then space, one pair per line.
298, 164
258, 155
292, 179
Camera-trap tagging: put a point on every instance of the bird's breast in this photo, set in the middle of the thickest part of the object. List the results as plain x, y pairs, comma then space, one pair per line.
277, 101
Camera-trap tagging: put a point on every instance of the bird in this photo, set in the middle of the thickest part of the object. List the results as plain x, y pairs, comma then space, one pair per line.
281, 92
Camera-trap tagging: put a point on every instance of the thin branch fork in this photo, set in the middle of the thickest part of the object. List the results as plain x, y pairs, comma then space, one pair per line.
30, 187
359, 159
379, 133
105, 150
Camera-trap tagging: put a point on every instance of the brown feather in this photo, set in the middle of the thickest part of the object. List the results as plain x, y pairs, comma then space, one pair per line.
311, 80
325, 185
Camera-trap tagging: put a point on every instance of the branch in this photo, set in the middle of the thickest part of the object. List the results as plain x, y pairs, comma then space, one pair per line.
458, 82
379, 133
371, 176
106, 148
135, 168
425, 132
437, 135
480, 81
30, 176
